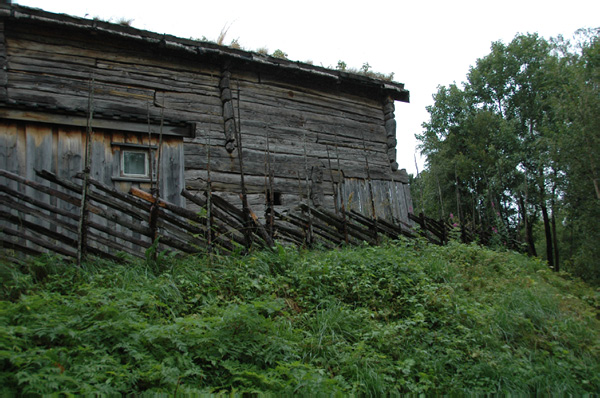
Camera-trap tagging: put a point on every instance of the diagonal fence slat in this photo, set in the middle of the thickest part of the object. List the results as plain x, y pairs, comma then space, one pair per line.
129, 223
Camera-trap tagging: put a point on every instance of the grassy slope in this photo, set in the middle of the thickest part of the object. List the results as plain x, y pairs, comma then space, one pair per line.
404, 317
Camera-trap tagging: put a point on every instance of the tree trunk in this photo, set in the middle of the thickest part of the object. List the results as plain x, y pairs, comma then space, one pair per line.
548, 232
442, 212
458, 205
531, 248
459, 208
555, 242
528, 227
554, 237
593, 171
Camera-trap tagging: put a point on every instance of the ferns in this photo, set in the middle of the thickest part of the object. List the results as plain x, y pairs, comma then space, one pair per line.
402, 318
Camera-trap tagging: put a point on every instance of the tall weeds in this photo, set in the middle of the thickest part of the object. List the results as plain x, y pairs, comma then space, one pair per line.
406, 317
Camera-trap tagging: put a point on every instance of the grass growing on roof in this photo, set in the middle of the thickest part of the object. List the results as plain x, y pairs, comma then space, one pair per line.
406, 317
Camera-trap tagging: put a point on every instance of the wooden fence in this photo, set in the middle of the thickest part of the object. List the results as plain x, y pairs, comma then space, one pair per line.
39, 217
440, 232
52, 215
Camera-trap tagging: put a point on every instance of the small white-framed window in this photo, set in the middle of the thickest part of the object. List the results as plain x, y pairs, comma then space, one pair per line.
134, 163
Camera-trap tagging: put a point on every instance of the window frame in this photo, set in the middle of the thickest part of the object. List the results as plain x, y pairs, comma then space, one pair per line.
146, 163
150, 154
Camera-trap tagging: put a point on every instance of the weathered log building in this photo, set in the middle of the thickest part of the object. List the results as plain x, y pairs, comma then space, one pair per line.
157, 107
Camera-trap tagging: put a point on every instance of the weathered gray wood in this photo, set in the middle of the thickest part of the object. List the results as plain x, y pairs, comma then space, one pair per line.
36, 227
128, 205
190, 102
343, 98
171, 174
23, 236
297, 101
38, 155
81, 121
3, 65
57, 43
38, 214
317, 154
11, 244
9, 151
390, 197
39, 187
271, 115
50, 70
69, 157
286, 164
71, 197
285, 139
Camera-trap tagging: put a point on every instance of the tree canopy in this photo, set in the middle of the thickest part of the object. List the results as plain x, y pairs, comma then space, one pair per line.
514, 149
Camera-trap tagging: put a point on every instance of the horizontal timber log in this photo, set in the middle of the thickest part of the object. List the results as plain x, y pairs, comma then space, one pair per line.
22, 235
296, 100
284, 165
351, 99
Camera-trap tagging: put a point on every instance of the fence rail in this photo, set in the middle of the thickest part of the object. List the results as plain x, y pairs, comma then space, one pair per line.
439, 231
46, 215
37, 217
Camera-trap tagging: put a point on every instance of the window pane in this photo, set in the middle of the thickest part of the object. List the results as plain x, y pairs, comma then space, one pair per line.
134, 163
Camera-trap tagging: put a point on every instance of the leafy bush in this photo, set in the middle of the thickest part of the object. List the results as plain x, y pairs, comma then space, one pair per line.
406, 317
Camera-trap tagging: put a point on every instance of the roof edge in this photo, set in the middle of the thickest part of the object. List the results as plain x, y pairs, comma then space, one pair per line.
391, 89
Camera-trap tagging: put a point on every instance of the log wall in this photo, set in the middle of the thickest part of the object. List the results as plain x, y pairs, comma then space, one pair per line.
314, 140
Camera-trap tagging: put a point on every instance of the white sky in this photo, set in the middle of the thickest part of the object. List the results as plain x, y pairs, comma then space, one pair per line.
424, 43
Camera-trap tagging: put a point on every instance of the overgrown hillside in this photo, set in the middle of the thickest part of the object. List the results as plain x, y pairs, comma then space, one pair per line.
404, 317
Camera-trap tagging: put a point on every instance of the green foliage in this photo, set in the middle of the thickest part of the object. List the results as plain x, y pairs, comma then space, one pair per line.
124, 21
406, 317
513, 150
365, 70
279, 54
341, 65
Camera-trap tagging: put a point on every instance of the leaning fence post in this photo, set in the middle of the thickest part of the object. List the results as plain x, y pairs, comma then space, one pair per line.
81, 227
244, 195
308, 193
209, 215
371, 195
342, 190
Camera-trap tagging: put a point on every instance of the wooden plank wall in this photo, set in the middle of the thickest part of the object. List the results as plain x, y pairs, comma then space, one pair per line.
392, 198
27, 146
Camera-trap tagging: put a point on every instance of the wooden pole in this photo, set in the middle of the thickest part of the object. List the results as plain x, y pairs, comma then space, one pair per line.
335, 205
245, 210
81, 227
308, 191
393, 194
342, 193
150, 160
458, 206
153, 220
160, 141
370, 185
153, 188
209, 231
270, 194
304, 227
420, 183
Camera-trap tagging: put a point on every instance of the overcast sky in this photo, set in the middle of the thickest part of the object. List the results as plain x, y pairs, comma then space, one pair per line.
424, 43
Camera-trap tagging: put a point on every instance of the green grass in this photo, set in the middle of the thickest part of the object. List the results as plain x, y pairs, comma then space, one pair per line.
406, 317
